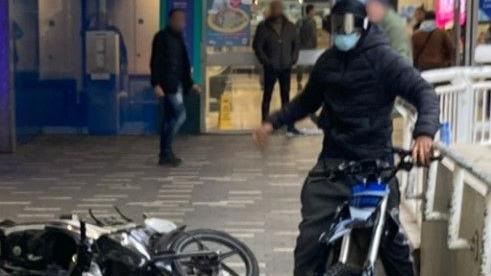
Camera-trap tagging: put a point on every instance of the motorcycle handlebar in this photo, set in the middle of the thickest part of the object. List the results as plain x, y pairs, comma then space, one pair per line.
378, 167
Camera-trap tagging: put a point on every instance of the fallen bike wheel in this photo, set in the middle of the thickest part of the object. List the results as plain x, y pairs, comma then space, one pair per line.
233, 258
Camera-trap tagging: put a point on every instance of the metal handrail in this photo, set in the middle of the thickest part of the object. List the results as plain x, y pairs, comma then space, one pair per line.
463, 163
464, 174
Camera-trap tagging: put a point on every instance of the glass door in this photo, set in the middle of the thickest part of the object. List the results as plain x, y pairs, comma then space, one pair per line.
232, 74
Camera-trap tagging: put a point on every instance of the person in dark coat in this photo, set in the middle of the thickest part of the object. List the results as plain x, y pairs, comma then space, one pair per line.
356, 82
419, 17
171, 78
307, 30
432, 47
276, 46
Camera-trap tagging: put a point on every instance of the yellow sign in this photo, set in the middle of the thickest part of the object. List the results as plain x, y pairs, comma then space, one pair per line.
225, 116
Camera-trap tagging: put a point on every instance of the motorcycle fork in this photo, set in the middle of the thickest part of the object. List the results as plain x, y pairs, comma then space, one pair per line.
377, 235
345, 248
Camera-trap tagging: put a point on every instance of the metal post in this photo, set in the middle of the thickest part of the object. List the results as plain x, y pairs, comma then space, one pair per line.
471, 29
467, 39
486, 257
204, 66
7, 126
465, 107
457, 32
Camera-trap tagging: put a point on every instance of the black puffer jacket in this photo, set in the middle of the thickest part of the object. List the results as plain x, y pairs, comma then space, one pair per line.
170, 62
357, 90
274, 50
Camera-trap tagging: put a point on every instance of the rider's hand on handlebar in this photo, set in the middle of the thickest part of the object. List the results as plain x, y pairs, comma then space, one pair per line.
423, 150
261, 134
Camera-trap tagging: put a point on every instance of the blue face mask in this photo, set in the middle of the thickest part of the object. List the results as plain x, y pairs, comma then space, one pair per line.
346, 42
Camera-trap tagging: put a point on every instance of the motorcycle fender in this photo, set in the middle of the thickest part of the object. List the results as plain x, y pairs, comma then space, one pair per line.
161, 226
338, 236
339, 230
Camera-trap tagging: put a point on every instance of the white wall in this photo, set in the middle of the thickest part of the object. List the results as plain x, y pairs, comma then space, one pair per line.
60, 39
138, 21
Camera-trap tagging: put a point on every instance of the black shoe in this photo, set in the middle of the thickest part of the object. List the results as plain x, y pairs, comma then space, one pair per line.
293, 132
170, 161
176, 158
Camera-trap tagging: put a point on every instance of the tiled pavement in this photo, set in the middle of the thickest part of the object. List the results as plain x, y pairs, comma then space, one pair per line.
225, 183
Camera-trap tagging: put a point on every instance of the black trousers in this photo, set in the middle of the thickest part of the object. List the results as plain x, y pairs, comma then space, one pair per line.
270, 78
320, 198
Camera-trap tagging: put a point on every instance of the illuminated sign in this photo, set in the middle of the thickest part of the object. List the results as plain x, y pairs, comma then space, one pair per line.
444, 10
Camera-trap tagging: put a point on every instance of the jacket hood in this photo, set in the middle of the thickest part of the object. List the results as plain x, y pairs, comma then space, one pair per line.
372, 38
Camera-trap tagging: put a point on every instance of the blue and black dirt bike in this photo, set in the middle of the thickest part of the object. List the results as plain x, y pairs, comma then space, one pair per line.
354, 238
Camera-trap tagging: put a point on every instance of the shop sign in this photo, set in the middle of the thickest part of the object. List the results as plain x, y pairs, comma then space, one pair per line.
228, 22
444, 10
484, 10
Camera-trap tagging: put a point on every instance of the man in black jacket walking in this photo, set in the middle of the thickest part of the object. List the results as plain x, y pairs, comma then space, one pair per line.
276, 45
171, 78
307, 30
356, 82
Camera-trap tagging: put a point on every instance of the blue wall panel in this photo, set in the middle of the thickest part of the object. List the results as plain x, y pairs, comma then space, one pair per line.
139, 111
48, 106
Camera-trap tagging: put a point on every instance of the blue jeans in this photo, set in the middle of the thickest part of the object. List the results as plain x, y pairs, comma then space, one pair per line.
174, 116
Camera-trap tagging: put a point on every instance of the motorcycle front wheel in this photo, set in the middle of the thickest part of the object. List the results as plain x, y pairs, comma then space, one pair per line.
234, 257
340, 269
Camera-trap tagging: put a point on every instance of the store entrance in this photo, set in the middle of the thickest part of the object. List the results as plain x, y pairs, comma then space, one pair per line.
232, 74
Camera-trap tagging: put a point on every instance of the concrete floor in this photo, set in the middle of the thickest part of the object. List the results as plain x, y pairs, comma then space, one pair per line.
225, 183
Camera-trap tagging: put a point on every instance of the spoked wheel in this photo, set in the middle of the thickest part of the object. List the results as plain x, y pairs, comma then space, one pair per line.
234, 257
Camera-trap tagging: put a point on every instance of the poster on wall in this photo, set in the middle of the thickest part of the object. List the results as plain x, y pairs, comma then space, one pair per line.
484, 10
228, 22
444, 10
187, 6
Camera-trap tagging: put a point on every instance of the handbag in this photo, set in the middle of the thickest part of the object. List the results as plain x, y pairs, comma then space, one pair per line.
418, 55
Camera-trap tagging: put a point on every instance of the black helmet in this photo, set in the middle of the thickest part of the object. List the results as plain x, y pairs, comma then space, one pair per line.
355, 7
347, 16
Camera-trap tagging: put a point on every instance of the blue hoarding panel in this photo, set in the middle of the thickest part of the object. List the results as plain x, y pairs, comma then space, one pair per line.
103, 107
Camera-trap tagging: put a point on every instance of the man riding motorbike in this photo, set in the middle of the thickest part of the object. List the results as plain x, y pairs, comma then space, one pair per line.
356, 82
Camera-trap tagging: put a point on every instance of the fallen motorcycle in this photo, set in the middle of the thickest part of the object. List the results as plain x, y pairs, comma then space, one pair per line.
72, 247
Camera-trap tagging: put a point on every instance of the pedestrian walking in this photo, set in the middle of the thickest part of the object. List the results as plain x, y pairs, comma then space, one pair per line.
432, 47
171, 80
382, 13
307, 30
